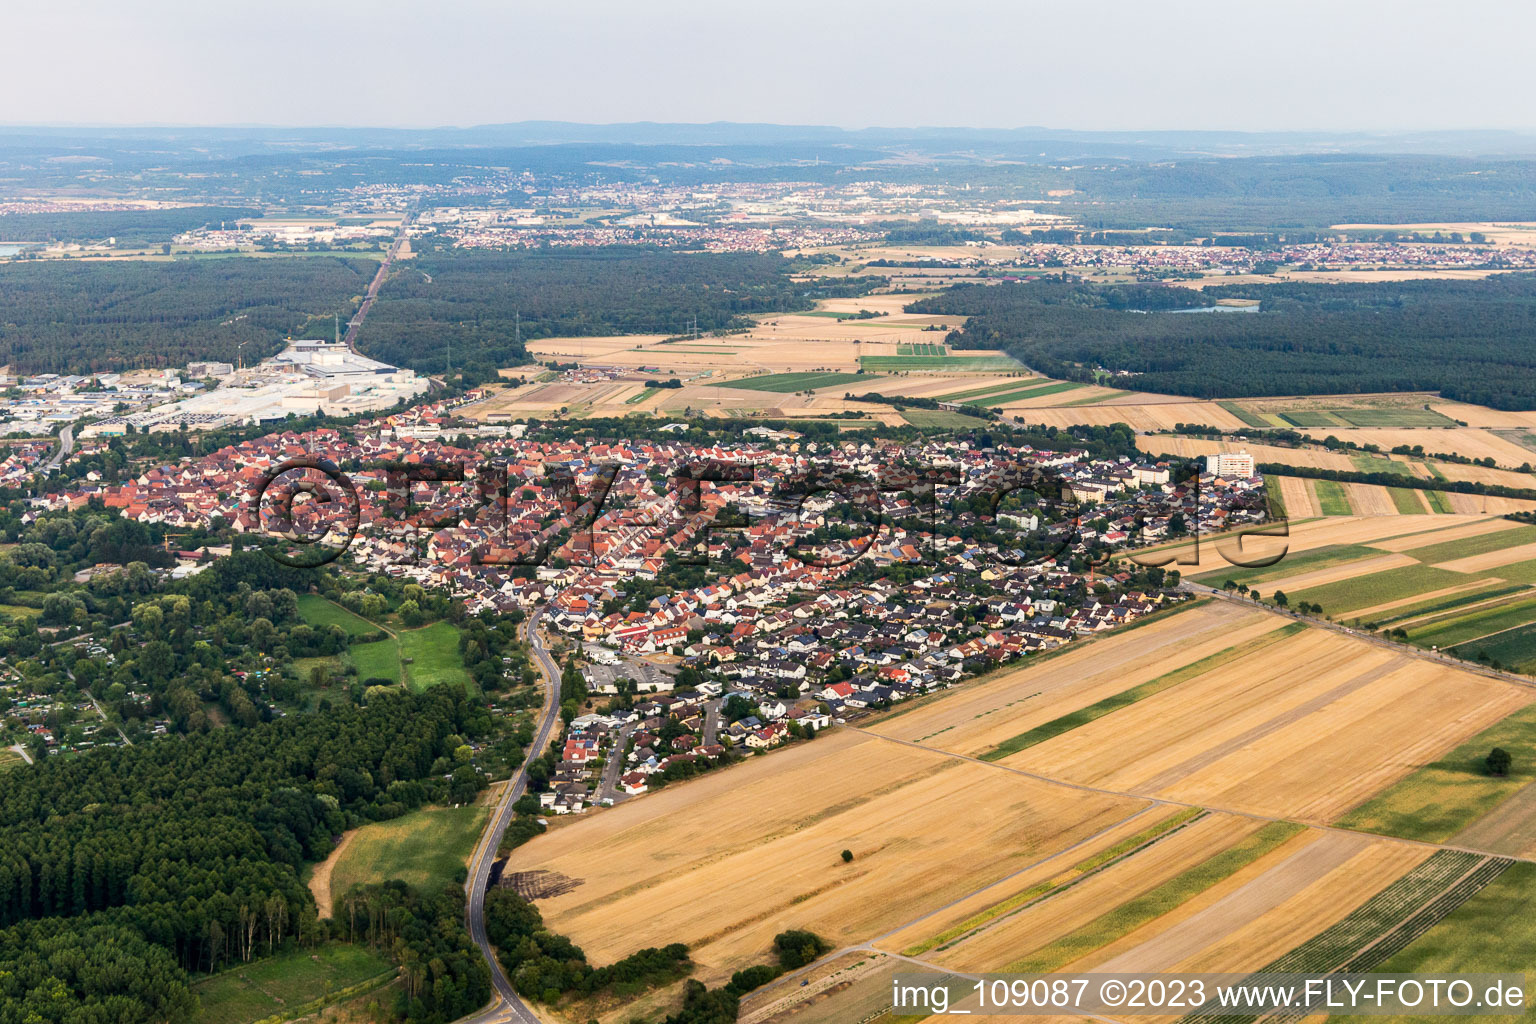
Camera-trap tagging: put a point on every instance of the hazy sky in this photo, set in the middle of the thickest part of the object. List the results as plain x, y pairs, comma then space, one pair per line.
1300, 64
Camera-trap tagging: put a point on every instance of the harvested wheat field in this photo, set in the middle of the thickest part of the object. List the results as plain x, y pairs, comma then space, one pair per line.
1482, 416
978, 717
1012, 938
1472, 442
1264, 910
1139, 411
1189, 447
1370, 500
1297, 495
772, 830
1304, 728
1297, 537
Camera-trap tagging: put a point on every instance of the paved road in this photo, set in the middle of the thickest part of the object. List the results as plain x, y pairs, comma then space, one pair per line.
356, 323
66, 445
712, 722
609, 788
22, 752
507, 1007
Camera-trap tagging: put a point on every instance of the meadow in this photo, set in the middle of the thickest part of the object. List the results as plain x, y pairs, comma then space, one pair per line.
425, 848
792, 382
284, 984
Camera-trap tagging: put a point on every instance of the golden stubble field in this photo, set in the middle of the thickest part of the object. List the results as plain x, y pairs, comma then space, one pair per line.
725, 862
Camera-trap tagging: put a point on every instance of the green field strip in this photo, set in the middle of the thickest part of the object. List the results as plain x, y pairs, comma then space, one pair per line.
1082, 870
1378, 588
1175, 892
1376, 464
992, 389
1407, 501
786, 383
1466, 547
642, 396
1516, 572
1513, 648
1249, 418
1439, 503
1312, 418
1460, 628
1034, 392
1434, 471
1098, 709
1332, 498
1488, 591
1095, 399
1393, 418
1443, 797
938, 363
1290, 565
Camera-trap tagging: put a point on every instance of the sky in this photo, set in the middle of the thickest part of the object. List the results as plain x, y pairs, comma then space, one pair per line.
1302, 65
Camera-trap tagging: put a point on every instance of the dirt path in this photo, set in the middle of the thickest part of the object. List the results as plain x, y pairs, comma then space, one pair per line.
320, 881
1510, 828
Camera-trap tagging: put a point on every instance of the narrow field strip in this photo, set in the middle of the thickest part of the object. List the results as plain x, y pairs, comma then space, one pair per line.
1129, 916
1075, 874
1066, 723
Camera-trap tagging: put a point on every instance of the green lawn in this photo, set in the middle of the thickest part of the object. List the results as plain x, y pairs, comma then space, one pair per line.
1066, 723
1332, 499
319, 612
786, 383
1379, 588
285, 983
9, 758
425, 848
379, 659
1175, 892
887, 363
1488, 934
17, 611
433, 656
1440, 799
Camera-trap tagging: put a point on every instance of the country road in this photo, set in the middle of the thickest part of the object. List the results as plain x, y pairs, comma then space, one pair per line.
507, 1007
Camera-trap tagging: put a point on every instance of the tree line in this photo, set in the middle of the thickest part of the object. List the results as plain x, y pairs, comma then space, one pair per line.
1472, 341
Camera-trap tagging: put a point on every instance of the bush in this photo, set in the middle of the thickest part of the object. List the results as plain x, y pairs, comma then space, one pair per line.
1498, 761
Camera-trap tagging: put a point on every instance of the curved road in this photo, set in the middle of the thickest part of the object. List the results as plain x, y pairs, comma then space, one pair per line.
66, 445
508, 1007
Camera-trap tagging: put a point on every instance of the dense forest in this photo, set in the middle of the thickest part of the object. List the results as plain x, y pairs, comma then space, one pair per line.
477, 303
1473, 341
124, 870
73, 317
128, 227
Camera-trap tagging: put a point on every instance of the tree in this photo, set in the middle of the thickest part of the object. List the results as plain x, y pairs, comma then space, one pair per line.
1281, 599
1498, 761
847, 856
